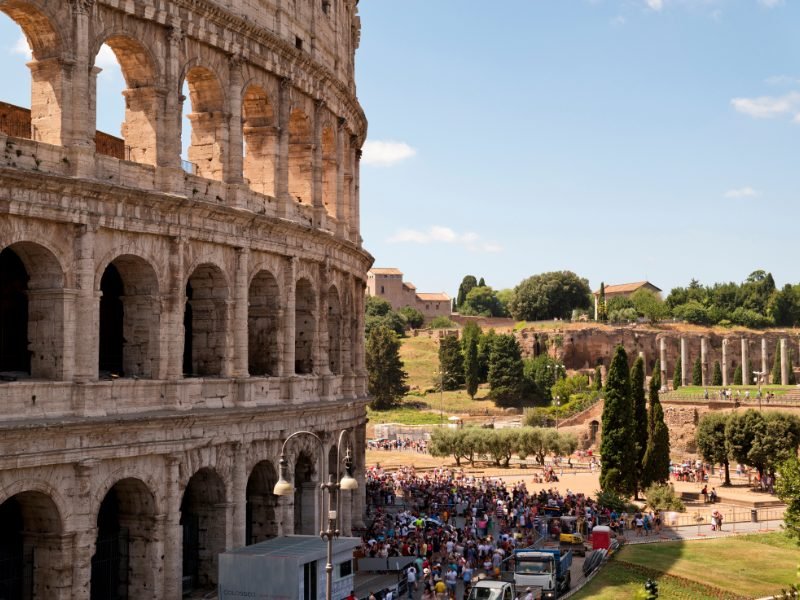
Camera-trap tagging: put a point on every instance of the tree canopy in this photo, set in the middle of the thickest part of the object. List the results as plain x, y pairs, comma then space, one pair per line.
506, 375
549, 296
618, 445
711, 442
386, 377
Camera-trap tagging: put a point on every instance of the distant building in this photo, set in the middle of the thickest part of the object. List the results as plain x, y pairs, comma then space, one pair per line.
624, 290
389, 285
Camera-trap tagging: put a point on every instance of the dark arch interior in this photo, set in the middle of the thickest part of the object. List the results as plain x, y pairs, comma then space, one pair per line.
203, 525
187, 332
304, 495
111, 323
14, 353
12, 555
110, 560
261, 521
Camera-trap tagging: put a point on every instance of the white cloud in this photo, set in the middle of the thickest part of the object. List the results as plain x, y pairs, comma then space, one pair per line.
386, 153
438, 234
656, 5
22, 48
744, 192
770, 3
768, 107
106, 59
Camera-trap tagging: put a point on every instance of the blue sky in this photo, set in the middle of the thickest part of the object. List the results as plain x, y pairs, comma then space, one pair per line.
620, 139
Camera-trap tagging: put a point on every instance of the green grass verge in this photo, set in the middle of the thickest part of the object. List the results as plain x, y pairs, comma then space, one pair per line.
697, 390
751, 566
404, 416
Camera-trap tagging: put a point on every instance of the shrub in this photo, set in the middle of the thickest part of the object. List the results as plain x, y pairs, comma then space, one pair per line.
662, 497
442, 323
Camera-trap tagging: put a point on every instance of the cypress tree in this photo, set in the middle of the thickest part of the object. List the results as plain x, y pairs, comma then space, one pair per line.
481, 282
598, 378
776, 365
472, 367
656, 457
697, 372
506, 372
639, 404
657, 374
737, 376
618, 446
386, 377
676, 376
716, 378
602, 312
451, 363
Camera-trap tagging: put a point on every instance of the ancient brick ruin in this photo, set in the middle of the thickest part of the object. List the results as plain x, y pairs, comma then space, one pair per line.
164, 325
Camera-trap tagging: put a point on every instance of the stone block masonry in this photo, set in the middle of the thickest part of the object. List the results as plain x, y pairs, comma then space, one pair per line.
165, 326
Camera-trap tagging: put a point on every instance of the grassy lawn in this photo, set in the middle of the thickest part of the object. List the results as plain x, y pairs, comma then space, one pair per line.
697, 390
420, 356
749, 566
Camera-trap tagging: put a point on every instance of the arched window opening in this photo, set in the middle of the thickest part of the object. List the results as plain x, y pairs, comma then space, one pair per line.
260, 140
15, 358
123, 67
203, 525
261, 521
129, 319
300, 160
32, 107
329, 171
205, 154
31, 552
263, 324
124, 550
335, 325
305, 328
305, 496
205, 321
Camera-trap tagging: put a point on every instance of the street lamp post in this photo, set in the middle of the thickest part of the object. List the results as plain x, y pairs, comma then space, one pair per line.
558, 406
757, 375
334, 484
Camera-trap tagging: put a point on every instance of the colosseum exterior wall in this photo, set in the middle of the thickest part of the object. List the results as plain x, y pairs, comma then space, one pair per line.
166, 324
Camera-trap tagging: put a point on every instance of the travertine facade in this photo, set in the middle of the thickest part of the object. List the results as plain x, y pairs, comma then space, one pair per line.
162, 331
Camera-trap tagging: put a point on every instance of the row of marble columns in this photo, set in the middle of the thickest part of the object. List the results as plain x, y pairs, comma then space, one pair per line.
704, 361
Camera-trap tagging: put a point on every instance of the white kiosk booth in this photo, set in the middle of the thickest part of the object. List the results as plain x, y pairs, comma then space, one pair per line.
287, 568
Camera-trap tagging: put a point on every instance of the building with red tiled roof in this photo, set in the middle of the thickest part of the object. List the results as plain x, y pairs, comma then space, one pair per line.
388, 283
623, 289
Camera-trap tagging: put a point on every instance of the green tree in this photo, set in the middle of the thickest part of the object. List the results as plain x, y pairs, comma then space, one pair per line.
776, 365
442, 322
737, 375
414, 318
481, 282
506, 377
697, 372
504, 297
375, 306
656, 457
711, 442
393, 320
467, 284
482, 300
541, 374
784, 307
602, 309
549, 295
485, 344
472, 367
639, 403
386, 377
677, 376
650, 305
657, 374
788, 489
451, 363
716, 378
618, 446
597, 384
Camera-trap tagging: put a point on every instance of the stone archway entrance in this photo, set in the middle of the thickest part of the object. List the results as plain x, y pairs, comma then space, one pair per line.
594, 429
203, 524
261, 523
305, 496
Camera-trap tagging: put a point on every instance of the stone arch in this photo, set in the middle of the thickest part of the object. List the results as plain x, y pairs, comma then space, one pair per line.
37, 23
260, 137
125, 548
594, 429
263, 324
208, 146
301, 142
261, 510
305, 330
31, 311
203, 520
205, 321
305, 494
143, 98
31, 546
335, 331
129, 318
330, 170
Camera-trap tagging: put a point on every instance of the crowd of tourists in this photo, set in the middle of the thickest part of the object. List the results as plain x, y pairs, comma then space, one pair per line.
398, 444
456, 526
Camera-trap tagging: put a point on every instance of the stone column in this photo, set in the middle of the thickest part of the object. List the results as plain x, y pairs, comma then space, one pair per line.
235, 158
745, 360
644, 363
704, 360
355, 209
173, 307
725, 362
77, 109
169, 152
319, 213
784, 362
290, 279
239, 494
684, 361
86, 306
85, 525
341, 214
663, 363
282, 157
173, 532
764, 369
241, 298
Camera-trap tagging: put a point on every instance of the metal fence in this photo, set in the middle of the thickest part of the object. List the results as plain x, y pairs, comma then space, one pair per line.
730, 516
